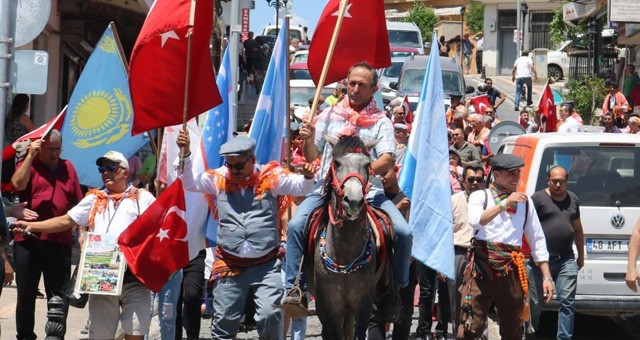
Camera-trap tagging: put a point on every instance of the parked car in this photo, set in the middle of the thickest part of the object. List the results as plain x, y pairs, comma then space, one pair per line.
558, 60
604, 173
390, 75
412, 76
299, 71
300, 56
303, 90
405, 34
294, 31
397, 51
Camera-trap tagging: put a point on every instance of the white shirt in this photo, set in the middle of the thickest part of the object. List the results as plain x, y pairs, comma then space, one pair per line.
523, 67
570, 124
115, 219
508, 228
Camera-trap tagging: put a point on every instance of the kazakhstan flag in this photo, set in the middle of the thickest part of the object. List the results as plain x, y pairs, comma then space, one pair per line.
100, 113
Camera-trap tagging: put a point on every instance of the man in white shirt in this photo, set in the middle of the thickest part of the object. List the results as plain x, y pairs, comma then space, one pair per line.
522, 71
500, 216
569, 124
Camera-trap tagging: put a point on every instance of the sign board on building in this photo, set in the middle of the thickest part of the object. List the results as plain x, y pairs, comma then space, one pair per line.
245, 24
29, 71
575, 11
624, 11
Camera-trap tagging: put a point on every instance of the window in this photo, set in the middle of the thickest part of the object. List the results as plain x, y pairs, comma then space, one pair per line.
404, 39
599, 176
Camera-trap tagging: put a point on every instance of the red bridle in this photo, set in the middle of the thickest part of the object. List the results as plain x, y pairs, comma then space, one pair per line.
336, 217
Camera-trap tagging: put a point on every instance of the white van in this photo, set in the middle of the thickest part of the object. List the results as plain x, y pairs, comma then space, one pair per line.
294, 31
405, 34
604, 173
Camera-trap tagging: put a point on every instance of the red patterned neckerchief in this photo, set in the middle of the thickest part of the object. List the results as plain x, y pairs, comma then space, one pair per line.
353, 119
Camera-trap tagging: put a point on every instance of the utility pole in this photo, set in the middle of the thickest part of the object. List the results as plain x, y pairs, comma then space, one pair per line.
234, 38
5, 56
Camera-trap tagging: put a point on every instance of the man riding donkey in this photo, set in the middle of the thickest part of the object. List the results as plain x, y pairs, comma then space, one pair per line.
356, 115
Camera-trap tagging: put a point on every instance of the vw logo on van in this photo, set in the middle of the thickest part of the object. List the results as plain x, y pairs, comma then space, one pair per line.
617, 221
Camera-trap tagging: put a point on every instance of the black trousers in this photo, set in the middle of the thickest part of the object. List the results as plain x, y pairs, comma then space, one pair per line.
402, 327
191, 296
32, 258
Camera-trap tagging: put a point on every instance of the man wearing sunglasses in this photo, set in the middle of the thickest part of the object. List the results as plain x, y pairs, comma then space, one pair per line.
472, 180
246, 196
500, 216
50, 187
109, 212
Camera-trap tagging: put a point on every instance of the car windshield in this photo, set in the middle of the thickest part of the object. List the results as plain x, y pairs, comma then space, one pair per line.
393, 71
412, 81
292, 33
404, 39
401, 54
599, 176
299, 74
300, 96
300, 58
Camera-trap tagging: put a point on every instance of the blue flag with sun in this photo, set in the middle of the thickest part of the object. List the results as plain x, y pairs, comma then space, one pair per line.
100, 113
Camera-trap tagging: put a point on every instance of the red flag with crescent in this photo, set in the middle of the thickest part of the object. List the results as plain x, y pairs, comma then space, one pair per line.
480, 103
547, 108
155, 244
408, 113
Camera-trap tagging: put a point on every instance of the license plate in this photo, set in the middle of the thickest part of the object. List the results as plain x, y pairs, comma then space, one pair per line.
607, 246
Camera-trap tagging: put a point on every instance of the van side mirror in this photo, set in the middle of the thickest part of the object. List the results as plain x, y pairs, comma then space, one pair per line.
393, 85
470, 89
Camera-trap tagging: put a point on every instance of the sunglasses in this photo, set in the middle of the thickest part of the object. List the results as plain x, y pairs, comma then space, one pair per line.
111, 168
237, 166
475, 179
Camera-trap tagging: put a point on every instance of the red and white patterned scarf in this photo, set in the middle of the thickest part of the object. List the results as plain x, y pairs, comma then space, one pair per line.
353, 119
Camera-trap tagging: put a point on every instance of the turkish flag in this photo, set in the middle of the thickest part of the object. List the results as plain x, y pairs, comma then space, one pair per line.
408, 114
362, 37
55, 123
547, 108
480, 103
155, 244
158, 67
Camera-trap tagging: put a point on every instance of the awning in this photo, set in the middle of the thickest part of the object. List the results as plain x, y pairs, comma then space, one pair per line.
441, 12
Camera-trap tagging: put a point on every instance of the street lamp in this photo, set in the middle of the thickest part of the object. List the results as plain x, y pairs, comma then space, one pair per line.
277, 4
524, 8
462, 9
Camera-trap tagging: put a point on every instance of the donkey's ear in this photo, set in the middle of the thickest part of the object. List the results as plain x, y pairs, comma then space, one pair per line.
331, 140
371, 144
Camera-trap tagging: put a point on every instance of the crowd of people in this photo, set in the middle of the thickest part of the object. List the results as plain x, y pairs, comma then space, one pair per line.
258, 254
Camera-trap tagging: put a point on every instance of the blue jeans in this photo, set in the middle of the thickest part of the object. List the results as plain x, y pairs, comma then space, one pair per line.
565, 275
168, 304
519, 82
296, 241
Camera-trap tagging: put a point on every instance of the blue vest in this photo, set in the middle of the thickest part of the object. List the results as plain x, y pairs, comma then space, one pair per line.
248, 226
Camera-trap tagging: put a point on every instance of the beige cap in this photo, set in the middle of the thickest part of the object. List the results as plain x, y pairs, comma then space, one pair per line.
115, 157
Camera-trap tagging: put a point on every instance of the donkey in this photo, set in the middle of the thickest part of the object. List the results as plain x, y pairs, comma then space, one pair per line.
341, 271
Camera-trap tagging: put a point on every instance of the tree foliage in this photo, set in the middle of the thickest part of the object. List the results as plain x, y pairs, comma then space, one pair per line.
425, 18
560, 31
588, 94
474, 16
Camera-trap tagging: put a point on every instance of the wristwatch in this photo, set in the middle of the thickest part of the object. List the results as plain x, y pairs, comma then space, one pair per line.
547, 278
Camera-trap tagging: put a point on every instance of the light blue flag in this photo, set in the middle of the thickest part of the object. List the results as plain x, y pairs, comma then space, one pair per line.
428, 155
100, 114
216, 130
269, 121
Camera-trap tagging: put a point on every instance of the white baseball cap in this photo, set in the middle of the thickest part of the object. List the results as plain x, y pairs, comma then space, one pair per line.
115, 157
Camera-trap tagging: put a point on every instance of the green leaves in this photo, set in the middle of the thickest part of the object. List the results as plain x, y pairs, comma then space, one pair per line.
425, 18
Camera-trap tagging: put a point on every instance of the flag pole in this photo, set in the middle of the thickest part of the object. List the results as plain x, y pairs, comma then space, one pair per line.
185, 106
287, 21
327, 60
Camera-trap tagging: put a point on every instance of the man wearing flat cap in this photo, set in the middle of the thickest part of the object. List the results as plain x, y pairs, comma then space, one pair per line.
496, 272
109, 212
246, 196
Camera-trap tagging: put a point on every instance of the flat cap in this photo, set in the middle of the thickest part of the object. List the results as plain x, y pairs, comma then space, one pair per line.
504, 161
237, 146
